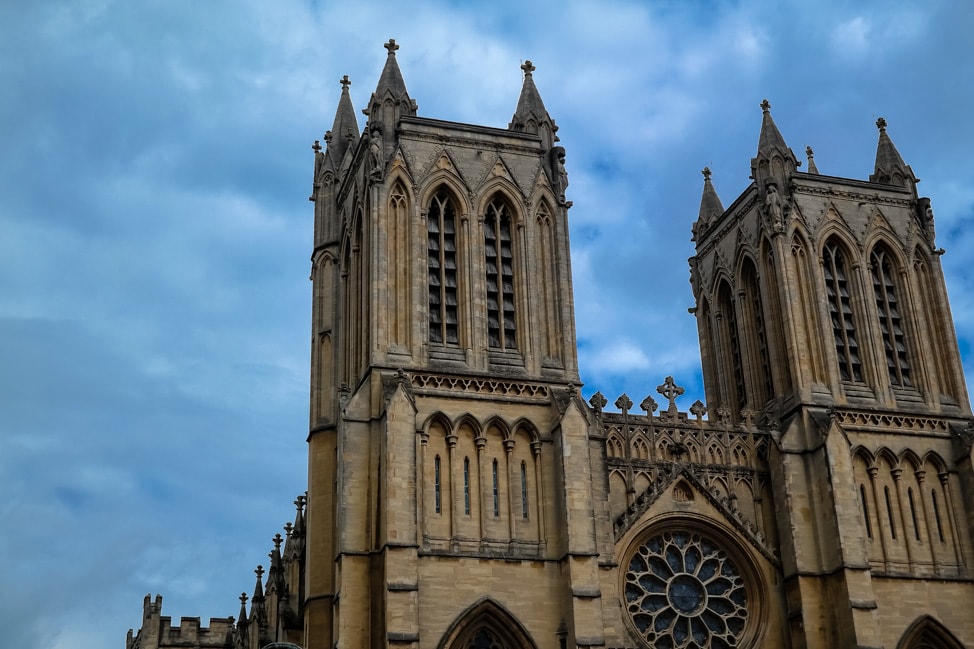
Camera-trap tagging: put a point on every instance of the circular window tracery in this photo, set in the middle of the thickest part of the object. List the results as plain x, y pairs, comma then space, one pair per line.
683, 591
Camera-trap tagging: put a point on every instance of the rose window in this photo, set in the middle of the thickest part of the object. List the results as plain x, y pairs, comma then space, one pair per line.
684, 592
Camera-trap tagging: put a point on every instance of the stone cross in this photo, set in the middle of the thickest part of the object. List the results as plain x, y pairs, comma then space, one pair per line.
345, 81
671, 391
391, 46
528, 67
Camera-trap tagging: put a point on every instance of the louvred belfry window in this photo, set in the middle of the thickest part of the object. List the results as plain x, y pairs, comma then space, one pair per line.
442, 265
890, 322
840, 309
501, 329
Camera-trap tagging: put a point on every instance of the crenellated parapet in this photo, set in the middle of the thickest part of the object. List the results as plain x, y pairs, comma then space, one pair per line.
158, 632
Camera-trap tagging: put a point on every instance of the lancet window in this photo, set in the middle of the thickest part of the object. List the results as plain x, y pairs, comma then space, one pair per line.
441, 227
840, 309
890, 322
499, 258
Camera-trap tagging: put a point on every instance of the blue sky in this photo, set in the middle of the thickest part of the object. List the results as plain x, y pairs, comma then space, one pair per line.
154, 295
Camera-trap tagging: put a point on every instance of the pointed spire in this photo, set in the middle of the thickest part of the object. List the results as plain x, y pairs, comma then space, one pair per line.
770, 137
710, 205
531, 115
242, 618
774, 160
812, 168
258, 613
344, 132
275, 575
391, 78
890, 168
390, 86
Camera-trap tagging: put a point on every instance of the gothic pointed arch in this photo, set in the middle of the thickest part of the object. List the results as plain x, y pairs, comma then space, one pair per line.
443, 262
885, 269
730, 375
500, 221
837, 268
928, 633
808, 320
753, 321
506, 187
547, 256
398, 258
486, 625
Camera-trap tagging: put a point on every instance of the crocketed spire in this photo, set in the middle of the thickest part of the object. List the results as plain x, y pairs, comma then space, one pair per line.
531, 115
344, 132
710, 205
890, 168
390, 93
774, 160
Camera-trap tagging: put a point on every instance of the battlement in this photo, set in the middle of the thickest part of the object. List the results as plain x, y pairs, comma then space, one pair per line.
157, 631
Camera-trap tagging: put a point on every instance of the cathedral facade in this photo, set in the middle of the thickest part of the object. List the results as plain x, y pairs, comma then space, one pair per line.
463, 495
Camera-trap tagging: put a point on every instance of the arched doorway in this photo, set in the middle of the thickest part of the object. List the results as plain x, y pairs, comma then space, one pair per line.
486, 625
928, 633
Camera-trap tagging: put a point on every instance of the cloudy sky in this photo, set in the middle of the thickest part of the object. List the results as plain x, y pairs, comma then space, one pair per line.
155, 234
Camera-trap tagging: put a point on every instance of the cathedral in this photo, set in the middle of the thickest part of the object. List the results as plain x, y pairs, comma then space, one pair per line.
463, 495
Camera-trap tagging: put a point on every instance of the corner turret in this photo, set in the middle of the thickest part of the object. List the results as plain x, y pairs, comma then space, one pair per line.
531, 115
774, 161
890, 168
710, 205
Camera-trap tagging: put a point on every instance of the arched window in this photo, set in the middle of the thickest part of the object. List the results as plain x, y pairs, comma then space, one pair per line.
441, 228
398, 271
889, 514
913, 513
497, 501
548, 286
436, 485
840, 309
890, 322
466, 486
754, 328
732, 394
501, 328
865, 510
936, 515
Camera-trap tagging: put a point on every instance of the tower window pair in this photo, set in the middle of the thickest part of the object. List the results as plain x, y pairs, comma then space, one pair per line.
839, 294
442, 265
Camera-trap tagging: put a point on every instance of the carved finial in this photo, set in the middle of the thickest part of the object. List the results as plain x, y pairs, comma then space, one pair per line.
649, 405
345, 81
401, 377
316, 147
881, 124
809, 152
243, 599
624, 403
288, 528
706, 173
723, 415
698, 410
259, 572
278, 539
328, 137
766, 106
391, 46
528, 67
598, 401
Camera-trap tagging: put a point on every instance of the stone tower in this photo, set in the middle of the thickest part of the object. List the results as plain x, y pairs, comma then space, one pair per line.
444, 382
822, 311
462, 496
